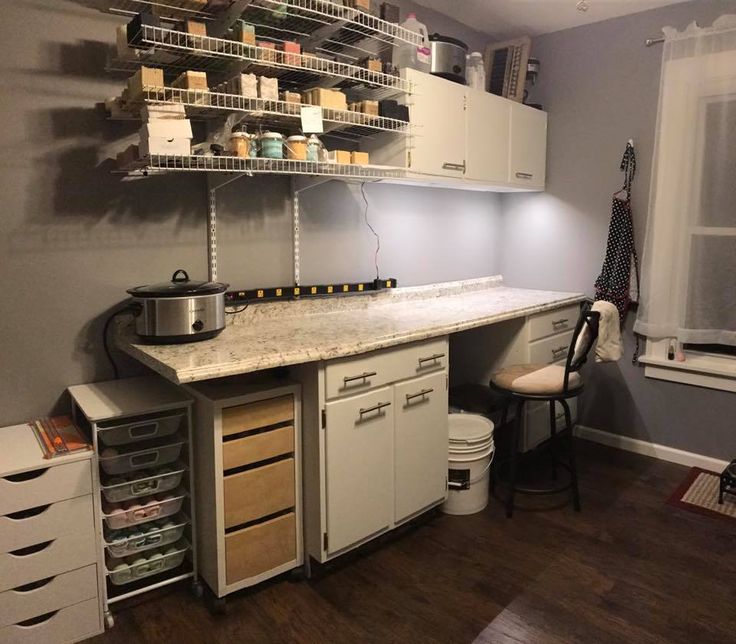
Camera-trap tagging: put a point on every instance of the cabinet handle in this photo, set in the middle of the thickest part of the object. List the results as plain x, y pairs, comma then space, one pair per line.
419, 394
362, 376
559, 351
560, 321
460, 167
377, 407
524, 175
432, 358
27, 588
31, 550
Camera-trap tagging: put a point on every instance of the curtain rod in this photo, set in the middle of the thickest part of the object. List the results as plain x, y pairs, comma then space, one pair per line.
653, 41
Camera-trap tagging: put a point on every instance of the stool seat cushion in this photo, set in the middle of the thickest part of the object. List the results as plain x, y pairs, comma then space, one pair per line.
535, 379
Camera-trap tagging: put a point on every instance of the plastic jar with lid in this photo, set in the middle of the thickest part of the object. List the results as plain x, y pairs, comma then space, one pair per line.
296, 148
239, 145
272, 145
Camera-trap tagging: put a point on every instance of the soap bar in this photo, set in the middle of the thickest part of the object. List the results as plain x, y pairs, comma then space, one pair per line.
191, 80
146, 79
195, 28
359, 158
267, 51
339, 156
268, 88
245, 33
292, 53
369, 107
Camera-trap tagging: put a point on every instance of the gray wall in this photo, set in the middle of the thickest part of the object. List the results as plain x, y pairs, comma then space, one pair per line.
73, 237
600, 85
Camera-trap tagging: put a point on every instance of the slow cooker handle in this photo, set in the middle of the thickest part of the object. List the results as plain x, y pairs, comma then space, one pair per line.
176, 279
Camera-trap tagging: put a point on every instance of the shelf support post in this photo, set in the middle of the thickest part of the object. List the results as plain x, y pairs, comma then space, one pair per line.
295, 232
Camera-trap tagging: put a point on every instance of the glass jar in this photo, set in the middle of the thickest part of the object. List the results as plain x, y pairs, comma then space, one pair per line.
272, 145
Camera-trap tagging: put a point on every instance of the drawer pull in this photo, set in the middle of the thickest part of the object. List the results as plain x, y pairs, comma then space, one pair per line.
35, 621
560, 322
419, 394
26, 476
524, 175
144, 487
363, 376
460, 167
31, 550
559, 351
27, 588
377, 408
432, 358
141, 460
27, 514
142, 431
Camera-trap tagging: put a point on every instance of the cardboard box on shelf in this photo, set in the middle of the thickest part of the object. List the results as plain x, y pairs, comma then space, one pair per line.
359, 158
331, 98
268, 88
291, 97
145, 79
292, 53
267, 52
162, 111
372, 64
166, 136
369, 107
338, 156
191, 80
195, 27
245, 33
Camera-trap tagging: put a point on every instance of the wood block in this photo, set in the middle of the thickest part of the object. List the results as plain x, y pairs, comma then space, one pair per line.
255, 415
259, 548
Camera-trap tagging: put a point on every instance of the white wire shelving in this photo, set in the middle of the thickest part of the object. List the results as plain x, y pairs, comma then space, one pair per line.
205, 104
160, 164
178, 50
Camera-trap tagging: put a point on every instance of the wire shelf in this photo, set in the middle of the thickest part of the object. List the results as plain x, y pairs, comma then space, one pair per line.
206, 104
178, 50
178, 9
159, 164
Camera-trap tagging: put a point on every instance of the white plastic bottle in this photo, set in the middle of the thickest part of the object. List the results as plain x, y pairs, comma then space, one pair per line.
413, 56
475, 73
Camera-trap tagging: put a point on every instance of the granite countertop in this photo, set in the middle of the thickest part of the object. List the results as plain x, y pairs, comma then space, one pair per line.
269, 335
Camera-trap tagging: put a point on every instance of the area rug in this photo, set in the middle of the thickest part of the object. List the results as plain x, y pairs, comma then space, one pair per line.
699, 493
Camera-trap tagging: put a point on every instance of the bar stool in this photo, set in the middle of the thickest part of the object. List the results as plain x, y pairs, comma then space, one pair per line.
552, 384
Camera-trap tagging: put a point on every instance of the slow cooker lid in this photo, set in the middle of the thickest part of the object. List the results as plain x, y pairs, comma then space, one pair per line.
447, 39
179, 286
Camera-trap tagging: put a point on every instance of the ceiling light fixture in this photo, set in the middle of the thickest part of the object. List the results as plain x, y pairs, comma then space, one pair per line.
582, 6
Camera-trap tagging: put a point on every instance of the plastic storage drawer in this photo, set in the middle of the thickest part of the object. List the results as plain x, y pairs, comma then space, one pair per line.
123, 572
123, 543
144, 482
130, 461
131, 432
117, 518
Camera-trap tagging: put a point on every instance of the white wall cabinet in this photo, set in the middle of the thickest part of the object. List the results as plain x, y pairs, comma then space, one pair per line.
528, 150
375, 443
487, 137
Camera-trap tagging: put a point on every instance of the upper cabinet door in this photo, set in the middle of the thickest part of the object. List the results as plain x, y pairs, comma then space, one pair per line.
487, 137
528, 158
437, 112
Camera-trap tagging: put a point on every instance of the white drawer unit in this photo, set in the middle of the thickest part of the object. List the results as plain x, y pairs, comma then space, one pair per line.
249, 476
49, 582
375, 455
144, 492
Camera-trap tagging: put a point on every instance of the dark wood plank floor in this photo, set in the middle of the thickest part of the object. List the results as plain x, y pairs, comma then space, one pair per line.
628, 569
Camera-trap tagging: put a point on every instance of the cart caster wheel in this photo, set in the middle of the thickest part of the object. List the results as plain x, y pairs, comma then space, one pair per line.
109, 619
197, 590
216, 605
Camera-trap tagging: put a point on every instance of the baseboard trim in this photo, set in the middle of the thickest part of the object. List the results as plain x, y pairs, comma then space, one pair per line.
662, 452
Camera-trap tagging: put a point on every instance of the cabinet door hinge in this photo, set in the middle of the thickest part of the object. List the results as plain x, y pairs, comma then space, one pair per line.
324, 419
324, 542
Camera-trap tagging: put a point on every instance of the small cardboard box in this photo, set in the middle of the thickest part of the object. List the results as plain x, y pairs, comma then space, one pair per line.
292, 53
245, 33
195, 27
191, 80
166, 136
292, 97
339, 156
369, 107
247, 85
331, 98
145, 79
359, 158
373, 64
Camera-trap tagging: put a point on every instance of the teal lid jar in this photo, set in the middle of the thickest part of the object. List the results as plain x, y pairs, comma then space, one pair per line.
272, 145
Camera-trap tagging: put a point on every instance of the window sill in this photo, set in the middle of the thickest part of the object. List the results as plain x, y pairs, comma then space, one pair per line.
714, 372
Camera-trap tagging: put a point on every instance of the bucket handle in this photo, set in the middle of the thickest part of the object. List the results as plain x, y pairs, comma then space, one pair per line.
457, 484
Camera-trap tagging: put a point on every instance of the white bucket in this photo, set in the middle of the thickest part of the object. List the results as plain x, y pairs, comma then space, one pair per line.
470, 454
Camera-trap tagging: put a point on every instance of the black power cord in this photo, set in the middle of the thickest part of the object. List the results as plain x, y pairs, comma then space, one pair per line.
133, 309
375, 234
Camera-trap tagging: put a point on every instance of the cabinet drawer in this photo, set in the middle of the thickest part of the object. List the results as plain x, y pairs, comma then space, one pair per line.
551, 322
45, 522
257, 447
53, 593
255, 415
353, 375
550, 350
260, 548
48, 485
48, 558
259, 492
70, 624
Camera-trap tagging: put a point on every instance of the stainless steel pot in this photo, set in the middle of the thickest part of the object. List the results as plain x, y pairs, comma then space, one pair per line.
181, 310
448, 57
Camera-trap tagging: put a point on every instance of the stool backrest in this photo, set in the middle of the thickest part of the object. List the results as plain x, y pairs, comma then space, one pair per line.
583, 339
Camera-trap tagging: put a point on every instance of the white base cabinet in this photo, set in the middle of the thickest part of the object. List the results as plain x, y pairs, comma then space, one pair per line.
375, 443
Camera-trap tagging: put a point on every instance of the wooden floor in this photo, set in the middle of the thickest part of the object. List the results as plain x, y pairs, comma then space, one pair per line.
628, 569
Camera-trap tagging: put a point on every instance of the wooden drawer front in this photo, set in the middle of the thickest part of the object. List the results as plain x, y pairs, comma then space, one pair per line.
551, 350
44, 523
557, 321
52, 594
255, 415
260, 548
67, 552
353, 375
70, 624
257, 493
56, 483
257, 447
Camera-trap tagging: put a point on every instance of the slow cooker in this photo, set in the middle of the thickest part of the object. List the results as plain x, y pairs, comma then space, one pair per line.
181, 310
448, 57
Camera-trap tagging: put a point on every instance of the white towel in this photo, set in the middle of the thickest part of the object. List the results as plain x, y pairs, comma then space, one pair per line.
609, 347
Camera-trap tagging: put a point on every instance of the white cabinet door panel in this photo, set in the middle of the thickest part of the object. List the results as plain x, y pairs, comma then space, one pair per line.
359, 467
488, 118
420, 442
528, 158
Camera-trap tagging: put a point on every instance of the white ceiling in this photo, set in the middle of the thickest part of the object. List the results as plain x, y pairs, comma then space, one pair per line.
506, 18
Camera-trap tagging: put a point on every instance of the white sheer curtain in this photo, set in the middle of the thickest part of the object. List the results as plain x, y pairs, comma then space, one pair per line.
688, 286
